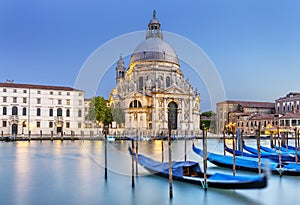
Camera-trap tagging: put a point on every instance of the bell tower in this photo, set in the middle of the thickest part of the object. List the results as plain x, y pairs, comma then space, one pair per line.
120, 70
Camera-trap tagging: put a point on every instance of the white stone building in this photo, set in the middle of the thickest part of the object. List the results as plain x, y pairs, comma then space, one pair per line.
34, 108
153, 92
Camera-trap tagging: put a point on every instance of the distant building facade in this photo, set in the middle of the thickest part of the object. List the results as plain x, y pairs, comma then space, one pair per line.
245, 115
288, 110
32, 108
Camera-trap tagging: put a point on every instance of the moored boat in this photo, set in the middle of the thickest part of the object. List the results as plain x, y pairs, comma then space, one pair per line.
190, 172
251, 163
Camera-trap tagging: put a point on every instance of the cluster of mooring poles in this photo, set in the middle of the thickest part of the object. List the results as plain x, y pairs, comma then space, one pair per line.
281, 141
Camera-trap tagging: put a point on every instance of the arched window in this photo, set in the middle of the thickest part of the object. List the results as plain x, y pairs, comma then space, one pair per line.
79, 113
68, 113
168, 82
24, 110
141, 83
38, 112
4, 111
59, 112
50, 112
14, 110
135, 103
172, 114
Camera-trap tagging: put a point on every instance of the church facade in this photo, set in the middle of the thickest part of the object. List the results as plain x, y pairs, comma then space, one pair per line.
152, 92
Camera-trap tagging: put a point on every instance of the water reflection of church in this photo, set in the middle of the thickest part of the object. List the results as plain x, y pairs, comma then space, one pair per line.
153, 91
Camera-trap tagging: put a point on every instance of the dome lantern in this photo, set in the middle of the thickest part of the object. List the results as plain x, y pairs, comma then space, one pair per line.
154, 28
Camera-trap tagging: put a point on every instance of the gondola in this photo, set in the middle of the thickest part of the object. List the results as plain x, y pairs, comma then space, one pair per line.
251, 163
270, 154
190, 172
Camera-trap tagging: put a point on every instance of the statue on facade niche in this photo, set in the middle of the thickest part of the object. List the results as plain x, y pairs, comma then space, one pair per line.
149, 84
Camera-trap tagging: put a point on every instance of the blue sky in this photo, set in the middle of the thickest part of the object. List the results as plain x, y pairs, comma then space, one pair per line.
254, 44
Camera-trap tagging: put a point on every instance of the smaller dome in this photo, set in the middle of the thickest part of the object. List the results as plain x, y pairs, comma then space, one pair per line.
154, 20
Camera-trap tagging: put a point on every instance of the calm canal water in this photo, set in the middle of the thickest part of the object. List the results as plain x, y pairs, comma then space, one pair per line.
70, 173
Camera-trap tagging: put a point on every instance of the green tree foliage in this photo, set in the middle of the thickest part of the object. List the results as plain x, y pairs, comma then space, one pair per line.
99, 111
118, 115
208, 113
208, 120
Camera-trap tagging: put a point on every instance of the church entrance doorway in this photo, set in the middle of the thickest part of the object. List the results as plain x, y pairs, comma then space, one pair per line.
172, 115
14, 129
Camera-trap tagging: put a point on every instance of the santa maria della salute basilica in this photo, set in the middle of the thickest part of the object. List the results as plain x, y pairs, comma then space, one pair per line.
152, 92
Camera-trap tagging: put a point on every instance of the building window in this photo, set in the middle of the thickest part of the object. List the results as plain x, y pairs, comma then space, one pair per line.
38, 124
68, 102
80, 94
15, 90
38, 112
68, 113
4, 99
24, 91
168, 82
51, 92
4, 90
59, 112
67, 124
141, 83
68, 93
4, 111
79, 113
79, 102
50, 124
14, 100
38, 101
135, 103
24, 111
79, 125
59, 93
24, 100
51, 112
14, 110
4, 123
38, 92
59, 102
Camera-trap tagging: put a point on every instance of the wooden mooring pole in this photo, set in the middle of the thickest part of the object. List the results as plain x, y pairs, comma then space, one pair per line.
185, 145
258, 148
296, 145
105, 150
224, 143
162, 149
52, 135
41, 135
132, 163
137, 152
170, 162
204, 142
233, 154
279, 154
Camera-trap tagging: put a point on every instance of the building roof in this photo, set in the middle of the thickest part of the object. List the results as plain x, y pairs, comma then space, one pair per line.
290, 115
33, 86
262, 116
249, 103
290, 96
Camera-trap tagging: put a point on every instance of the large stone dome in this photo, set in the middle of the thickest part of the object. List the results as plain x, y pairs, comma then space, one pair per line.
154, 49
